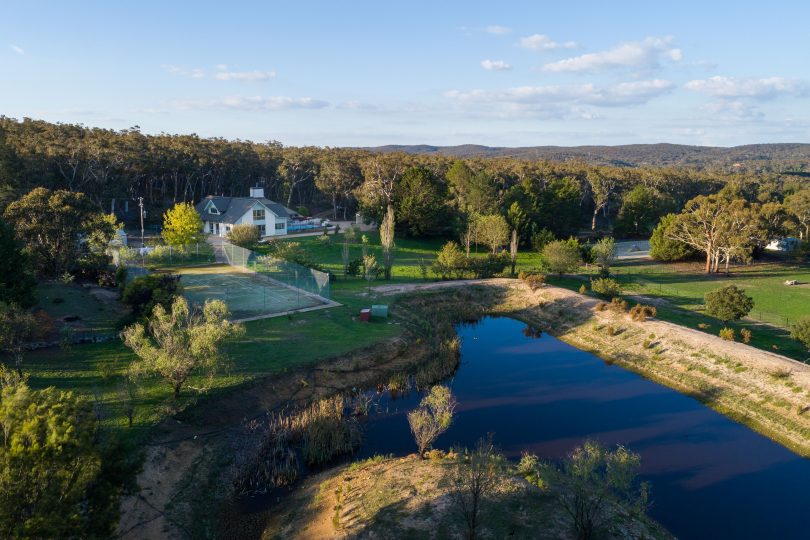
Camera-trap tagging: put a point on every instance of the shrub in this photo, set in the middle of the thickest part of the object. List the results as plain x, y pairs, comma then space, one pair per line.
618, 305
607, 287
640, 312
450, 261
541, 238
432, 418
121, 277
601, 306
144, 293
611, 330
482, 268
583, 289
244, 235
745, 334
603, 254
354, 268
801, 332
648, 344
704, 326
325, 239
562, 256
534, 281
728, 303
727, 334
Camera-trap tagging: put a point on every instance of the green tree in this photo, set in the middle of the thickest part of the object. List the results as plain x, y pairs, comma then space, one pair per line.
177, 343
59, 229
640, 210
562, 256
338, 176
182, 225
663, 247
592, 480
420, 203
449, 261
729, 303
492, 230
244, 235
432, 417
387, 241
49, 462
17, 282
604, 254
142, 294
798, 205
16, 331
801, 332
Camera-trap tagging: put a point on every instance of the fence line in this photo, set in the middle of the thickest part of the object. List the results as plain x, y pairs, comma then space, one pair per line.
285, 272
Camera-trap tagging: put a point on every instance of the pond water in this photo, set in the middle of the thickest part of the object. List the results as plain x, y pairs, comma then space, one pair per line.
711, 477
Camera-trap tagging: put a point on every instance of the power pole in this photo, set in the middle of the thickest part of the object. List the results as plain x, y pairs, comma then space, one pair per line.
140, 204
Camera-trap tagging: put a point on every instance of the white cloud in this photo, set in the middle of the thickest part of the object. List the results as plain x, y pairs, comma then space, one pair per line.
253, 103
563, 100
244, 76
495, 65
729, 87
541, 42
194, 73
643, 55
17, 49
222, 73
498, 30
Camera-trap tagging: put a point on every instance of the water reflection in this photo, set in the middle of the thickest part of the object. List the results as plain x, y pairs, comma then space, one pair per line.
712, 477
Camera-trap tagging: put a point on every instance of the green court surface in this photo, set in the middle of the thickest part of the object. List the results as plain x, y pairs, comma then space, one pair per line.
247, 294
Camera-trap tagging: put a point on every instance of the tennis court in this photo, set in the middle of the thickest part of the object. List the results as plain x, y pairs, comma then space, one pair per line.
247, 294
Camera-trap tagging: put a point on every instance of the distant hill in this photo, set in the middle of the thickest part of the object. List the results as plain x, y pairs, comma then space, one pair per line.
783, 155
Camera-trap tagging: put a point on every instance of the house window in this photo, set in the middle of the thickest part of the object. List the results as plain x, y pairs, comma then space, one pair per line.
213, 210
261, 230
258, 214
280, 226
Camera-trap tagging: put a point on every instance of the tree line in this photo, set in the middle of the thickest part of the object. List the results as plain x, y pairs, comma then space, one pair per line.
429, 194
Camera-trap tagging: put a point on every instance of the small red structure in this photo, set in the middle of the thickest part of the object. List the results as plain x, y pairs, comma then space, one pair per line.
365, 315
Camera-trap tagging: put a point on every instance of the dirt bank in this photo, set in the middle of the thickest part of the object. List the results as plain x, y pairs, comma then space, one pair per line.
410, 498
183, 454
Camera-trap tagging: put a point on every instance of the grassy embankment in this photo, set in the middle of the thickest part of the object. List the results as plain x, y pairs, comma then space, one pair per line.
400, 498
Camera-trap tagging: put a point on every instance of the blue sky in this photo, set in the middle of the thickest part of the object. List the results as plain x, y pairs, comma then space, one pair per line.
359, 73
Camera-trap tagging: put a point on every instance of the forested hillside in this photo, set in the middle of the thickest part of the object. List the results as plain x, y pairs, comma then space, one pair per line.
766, 157
432, 193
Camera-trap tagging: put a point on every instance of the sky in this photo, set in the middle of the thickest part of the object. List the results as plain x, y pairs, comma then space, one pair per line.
369, 73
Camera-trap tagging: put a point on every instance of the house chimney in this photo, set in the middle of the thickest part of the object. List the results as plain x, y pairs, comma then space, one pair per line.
257, 192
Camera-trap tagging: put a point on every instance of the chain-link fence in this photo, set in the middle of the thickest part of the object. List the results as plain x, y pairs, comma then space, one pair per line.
165, 256
288, 273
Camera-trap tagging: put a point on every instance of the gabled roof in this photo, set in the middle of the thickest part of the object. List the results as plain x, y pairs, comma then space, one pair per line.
233, 208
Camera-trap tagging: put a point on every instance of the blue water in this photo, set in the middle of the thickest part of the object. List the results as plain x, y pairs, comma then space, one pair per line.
711, 477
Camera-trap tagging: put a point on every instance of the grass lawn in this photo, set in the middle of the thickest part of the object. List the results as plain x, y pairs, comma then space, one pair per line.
684, 284
269, 346
72, 300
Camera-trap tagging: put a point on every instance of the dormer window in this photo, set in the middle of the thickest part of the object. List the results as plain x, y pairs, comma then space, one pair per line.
213, 210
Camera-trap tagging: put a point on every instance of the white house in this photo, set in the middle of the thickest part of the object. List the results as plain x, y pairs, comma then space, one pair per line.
220, 214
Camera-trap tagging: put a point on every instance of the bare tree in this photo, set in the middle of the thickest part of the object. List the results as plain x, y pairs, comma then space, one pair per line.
474, 478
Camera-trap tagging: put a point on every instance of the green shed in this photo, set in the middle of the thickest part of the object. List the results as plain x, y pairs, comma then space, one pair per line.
380, 310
